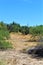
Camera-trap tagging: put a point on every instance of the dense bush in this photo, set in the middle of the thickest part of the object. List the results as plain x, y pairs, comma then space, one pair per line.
36, 30
4, 35
5, 45
24, 30
15, 27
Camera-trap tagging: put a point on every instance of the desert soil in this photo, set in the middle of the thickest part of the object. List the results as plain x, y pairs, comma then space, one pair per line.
14, 56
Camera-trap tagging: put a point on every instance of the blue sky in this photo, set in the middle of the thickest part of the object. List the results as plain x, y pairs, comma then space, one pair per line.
24, 12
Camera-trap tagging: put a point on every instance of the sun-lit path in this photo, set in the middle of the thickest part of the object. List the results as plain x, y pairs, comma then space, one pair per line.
12, 57
19, 43
15, 56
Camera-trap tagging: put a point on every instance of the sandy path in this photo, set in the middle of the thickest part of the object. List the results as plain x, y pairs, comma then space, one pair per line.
19, 43
16, 58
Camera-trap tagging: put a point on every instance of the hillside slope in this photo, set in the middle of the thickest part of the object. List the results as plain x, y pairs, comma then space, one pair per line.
20, 41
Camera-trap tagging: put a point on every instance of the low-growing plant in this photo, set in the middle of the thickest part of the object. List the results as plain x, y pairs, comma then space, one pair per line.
4, 34
5, 45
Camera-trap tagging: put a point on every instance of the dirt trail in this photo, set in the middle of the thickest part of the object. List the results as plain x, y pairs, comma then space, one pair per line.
19, 43
14, 56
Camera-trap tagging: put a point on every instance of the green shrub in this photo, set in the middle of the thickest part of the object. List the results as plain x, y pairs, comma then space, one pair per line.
24, 30
36, 30
13, 27
4, 34
5, 45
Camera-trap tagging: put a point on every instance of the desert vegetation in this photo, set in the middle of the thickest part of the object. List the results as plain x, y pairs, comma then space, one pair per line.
34, 30
4, 35
36, 33
25, 39
15, 27
6, 29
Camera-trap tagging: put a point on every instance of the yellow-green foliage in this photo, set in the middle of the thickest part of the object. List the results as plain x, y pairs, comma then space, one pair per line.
5, 45
4, 35
2, 62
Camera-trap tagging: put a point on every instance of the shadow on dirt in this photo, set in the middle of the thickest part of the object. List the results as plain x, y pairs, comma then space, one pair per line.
36, 52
